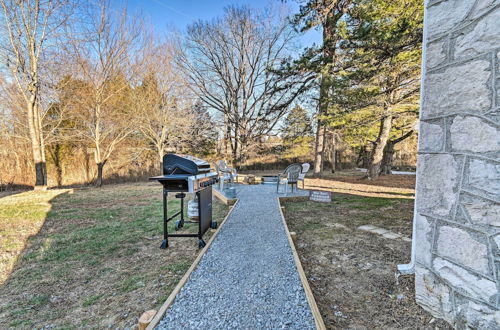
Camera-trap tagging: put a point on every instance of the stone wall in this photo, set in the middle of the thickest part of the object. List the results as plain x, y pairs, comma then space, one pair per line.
458, 173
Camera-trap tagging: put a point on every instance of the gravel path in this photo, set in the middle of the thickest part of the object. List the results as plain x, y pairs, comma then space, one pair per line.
247, 279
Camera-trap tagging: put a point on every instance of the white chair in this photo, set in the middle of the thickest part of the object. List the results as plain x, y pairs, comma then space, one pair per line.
226, 173
289, 177
302, 175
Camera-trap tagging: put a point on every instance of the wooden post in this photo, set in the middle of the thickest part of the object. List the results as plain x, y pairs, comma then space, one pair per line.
146, 318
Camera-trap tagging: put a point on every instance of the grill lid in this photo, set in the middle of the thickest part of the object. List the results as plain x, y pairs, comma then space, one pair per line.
175, 164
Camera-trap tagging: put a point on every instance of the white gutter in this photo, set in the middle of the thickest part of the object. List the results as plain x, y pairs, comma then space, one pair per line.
407, 269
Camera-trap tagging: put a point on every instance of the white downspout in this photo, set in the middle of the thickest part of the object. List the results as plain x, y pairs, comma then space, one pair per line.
407, 269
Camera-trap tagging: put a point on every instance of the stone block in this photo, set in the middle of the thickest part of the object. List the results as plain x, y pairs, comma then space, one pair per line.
447, 14
473, 134
379, 231
431, 137
433, 295
367, 227
437, 183
391, 235
458, 245
483, 37
423, 236
459, 88
483, 212
435, 53
496, 239
481, 7
477, 287
477, 316
484, 175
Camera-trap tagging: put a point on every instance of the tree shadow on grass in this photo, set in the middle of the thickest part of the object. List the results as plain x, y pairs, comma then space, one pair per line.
94, 259
22, 217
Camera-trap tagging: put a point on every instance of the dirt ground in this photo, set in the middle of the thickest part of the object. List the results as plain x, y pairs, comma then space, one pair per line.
88, 258
352, 272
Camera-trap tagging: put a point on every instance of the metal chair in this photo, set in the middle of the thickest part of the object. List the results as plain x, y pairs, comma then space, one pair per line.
302, 175
289, 176
226, 173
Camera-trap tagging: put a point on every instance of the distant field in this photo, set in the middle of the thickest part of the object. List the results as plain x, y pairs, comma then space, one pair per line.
87, 258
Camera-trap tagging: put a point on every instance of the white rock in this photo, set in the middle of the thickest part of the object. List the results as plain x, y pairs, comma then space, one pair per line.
436, 181
483, 38
458, 245
479, 316
432, 295
423, 236
445, 15
367, 227
458, 88
379, 230
391, 235
477, 287
485, 176
483, 212
473, 134
435, 54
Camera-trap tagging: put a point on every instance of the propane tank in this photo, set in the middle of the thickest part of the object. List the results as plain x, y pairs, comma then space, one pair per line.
193, 212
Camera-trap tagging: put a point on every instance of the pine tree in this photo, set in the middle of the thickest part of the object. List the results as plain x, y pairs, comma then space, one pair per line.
381, 51
297, 134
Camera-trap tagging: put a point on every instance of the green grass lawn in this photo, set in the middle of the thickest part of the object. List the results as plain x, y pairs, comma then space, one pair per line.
88, 257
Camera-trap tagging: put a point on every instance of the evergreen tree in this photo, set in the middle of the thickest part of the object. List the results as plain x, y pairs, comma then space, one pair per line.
297, 134
381, 52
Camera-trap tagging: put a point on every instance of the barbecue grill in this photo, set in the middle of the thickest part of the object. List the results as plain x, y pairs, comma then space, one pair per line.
189, 174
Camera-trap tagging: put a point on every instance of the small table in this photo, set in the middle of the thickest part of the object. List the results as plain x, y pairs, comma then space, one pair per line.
269, 179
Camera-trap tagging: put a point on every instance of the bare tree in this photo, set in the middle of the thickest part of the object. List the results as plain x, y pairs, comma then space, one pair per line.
162, 102
229, 63
27, 31
104, 63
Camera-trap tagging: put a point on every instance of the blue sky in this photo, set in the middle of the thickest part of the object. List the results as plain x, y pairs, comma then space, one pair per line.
168, 14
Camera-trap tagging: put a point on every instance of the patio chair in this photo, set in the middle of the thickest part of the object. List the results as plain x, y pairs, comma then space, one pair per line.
289, 176
226, 173
302, 175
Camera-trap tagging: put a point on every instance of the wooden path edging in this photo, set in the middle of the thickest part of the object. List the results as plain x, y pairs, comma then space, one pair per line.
222, 198
161, 312
318, 319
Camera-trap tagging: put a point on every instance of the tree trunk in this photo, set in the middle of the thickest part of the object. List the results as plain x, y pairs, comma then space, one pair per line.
227, 132
235, 146
160, 157
86, 165
387, 158
333, 154
318, 150
100, 169
37, 145
363, 160
389, 152
378, 147
55, 154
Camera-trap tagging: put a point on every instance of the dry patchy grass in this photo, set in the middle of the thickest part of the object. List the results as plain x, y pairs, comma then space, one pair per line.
352, 272
87, 258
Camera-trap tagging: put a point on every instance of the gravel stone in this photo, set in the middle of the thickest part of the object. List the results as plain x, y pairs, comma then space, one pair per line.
247, 279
